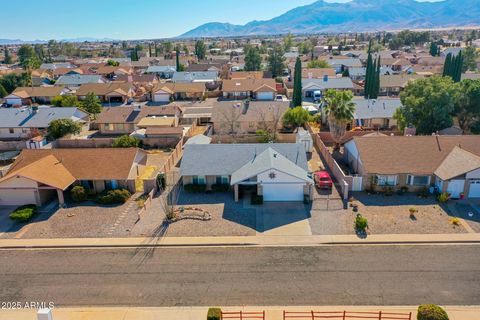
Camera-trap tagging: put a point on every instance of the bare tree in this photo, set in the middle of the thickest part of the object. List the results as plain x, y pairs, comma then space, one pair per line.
229, 119
270, 121
170, 194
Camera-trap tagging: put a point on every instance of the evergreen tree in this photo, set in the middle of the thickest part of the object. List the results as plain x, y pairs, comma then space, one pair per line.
7, 58
447, 65
433, 49
177, 56
368, 76
297, 84
200, 50
3, 92
253, 59
376, 88
276, 61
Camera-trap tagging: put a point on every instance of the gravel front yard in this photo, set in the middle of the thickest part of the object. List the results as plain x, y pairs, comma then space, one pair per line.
390, 215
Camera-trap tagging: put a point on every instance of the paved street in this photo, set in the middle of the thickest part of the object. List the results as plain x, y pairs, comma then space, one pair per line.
329, 275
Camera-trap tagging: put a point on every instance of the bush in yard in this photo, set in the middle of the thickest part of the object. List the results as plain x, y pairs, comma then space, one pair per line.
431, 312
195, 188
444, 197
78, 194
114, 196
220, 187
24, 213
361, 223
214, 314
256, 199
126, 141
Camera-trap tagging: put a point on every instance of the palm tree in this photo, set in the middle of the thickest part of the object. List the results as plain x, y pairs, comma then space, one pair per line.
340, 111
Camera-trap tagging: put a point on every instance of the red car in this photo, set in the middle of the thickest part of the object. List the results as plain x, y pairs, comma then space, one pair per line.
323, 180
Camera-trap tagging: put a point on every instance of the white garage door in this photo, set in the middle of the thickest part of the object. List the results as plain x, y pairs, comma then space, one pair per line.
455, 187
282, 192
161, 97
17, 197
474, 191
265, 96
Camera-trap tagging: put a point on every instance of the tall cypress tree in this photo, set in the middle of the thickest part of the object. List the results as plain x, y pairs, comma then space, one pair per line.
368, 76
447, 66
177, 57
457, 75
297, 84
376, 88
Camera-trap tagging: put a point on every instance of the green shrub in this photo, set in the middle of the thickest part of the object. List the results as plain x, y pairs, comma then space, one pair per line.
443, 197
361, 223
114, 196
388, 191
161, 181
24, 213
195, 188
431, 312
424, 193
256, 199
220, 187
214, 314
78, 194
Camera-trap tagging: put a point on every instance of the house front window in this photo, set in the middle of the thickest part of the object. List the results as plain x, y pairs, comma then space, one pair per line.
222, 180
111, 184
418, 180
199, 180
11, 130
108, 127
384, 180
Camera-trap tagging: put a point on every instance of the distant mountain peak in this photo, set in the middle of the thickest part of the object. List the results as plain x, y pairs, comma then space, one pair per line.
356, 15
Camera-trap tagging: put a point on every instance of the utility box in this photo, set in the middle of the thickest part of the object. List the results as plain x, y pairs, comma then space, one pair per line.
44, 314
304, 137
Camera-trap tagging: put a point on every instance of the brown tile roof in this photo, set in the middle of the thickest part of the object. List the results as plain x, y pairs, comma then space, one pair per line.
247, 75
47, 170
317, 73
104, 70
415, 155
240, 85
82, 164
193, 87
133, 115
26, 92
102, 89
394, 81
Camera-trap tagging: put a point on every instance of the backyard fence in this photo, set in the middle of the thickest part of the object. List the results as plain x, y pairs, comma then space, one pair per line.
240, 315
147, 204
346, 315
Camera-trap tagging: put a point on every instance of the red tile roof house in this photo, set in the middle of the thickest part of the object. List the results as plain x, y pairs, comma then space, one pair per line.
449, 163
40, 176
259, 89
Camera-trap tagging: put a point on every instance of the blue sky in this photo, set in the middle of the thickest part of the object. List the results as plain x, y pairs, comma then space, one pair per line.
129, 19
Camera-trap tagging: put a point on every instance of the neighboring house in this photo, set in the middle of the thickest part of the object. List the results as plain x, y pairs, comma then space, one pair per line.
76, 80
198, 114
40, 176
392, 85
453, 51
278, 172
58, 65
377, 114
202, 67
164, 92
142, 79
241, 117
186, 77
23, 123
111, 72
359, 74
309, 86
449, 163
28, 95
115, 92
246, 75
317, 73
163, 72
259, 89
124, 120
341, 65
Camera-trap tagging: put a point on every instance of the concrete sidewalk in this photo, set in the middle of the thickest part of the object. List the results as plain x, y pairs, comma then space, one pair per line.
242, 241
199, 313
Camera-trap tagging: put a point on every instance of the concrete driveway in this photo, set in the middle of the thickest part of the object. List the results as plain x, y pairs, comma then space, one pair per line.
283, 219
6, 223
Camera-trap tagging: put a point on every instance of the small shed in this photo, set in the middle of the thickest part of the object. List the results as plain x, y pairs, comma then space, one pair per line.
304, 137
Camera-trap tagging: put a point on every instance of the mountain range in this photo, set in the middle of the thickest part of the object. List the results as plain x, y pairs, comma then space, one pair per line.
19, 41
353, 16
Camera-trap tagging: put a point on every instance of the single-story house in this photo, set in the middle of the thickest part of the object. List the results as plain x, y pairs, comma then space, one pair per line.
449, 163
259, 89
76, 80
392, 85
241, 117
57, 65
341, 65
115, 92
199, 114
309, 86
377, 113
163, 72
201, 67
40, 176
164, 92
23, 123
247, 75
28, 95
124, 120
111, 72
278, 171
186, 77
317, 73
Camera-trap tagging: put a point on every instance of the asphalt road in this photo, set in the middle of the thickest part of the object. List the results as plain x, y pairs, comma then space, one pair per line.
340, 275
